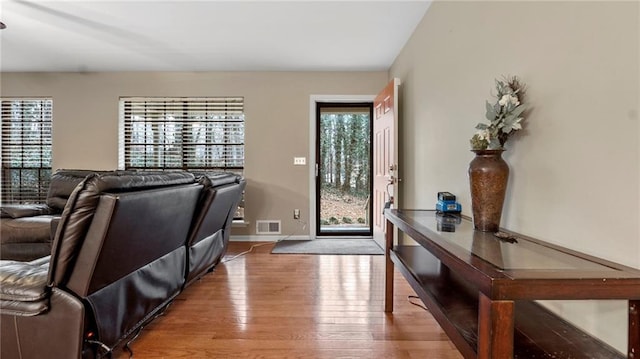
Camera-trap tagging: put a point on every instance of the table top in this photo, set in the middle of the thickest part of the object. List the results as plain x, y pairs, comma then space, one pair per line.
489, 259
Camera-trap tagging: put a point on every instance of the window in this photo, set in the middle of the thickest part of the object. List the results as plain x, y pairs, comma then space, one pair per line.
192, 134
26, 149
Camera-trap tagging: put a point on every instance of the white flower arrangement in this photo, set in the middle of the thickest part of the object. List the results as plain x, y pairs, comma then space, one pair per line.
505, 116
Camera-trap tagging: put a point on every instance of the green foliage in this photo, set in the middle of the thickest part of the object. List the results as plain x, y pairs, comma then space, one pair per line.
505, 116
345, 152
361, 220
344, 160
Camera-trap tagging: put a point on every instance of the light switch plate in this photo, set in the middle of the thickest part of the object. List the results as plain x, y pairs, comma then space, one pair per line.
299, 161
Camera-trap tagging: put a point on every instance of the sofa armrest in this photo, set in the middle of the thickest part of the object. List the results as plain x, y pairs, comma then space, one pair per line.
23, 287
24, 210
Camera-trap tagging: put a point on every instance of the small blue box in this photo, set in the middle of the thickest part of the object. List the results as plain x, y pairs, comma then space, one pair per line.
448, 207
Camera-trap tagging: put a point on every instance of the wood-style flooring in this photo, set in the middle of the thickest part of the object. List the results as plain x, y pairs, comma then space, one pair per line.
263, 305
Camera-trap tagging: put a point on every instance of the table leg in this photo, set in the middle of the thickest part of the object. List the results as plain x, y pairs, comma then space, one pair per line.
388, 278
495, 328
634, 329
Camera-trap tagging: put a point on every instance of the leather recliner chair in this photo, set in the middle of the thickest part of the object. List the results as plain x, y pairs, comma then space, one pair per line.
118, 258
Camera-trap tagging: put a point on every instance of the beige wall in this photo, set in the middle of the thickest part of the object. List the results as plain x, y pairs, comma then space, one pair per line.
575, 168
85, 128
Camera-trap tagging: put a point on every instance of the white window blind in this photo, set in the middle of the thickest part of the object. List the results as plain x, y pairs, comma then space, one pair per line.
195, 134
26, 149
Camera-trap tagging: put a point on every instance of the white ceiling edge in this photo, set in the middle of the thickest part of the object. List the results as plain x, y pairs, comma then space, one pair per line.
168, 35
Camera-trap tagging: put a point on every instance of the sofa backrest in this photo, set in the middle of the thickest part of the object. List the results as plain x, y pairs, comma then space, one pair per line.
109, 196
234, 196
219, 199
210, 229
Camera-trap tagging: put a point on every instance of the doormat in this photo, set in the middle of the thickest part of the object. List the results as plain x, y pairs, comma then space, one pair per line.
328, 246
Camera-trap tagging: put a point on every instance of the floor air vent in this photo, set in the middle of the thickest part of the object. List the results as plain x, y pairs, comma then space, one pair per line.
268, 227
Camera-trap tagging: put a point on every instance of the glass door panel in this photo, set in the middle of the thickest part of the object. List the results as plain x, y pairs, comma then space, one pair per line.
343, 181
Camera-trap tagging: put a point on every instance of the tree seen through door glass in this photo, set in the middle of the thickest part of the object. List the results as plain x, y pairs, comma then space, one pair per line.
345, 170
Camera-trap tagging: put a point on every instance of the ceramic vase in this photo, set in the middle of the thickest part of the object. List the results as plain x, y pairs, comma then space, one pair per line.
488, 177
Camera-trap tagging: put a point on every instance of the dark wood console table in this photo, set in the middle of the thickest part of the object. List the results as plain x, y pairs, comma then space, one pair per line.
482, 289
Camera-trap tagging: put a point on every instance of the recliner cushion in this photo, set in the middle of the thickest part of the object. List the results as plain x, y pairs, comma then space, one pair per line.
27, 238
62, 184
23, 287
24, 210
217, 179
26, 230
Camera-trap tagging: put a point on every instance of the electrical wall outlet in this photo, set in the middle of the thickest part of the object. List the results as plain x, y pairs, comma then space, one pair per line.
296, 214
299, 161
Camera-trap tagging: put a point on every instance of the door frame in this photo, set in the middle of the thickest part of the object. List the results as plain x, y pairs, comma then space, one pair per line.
313, 99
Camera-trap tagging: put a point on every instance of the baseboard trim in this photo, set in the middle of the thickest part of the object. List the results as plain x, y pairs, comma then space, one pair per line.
271, 238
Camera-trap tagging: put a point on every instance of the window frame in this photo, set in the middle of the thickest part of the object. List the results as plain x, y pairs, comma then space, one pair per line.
160, 126
17, 145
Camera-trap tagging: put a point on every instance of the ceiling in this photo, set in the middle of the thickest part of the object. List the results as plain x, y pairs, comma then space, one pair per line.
116, 35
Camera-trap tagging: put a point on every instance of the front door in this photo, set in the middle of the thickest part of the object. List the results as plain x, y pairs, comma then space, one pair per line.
385, 156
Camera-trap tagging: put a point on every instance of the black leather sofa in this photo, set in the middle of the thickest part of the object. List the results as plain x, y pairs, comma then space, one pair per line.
125, 246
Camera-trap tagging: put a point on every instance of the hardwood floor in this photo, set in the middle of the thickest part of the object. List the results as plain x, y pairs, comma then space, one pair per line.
262, 305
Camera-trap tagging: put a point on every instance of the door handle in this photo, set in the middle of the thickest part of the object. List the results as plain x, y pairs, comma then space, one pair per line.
392, 179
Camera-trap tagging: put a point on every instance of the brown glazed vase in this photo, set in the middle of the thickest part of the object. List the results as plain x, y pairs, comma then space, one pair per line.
488, 176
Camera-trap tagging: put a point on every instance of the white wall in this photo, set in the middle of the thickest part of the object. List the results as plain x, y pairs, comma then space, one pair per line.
85, 123
575, 168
